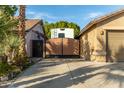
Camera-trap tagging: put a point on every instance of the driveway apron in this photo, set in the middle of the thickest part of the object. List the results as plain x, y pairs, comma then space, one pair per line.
71, 74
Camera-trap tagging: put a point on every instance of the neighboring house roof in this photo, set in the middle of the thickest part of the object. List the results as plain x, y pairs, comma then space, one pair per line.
30, 23
100, 19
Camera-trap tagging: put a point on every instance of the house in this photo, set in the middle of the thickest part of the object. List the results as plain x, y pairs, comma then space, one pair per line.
34, 38
62, 33
103, 38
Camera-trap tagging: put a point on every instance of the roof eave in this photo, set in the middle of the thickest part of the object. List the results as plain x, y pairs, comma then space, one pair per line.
99, 20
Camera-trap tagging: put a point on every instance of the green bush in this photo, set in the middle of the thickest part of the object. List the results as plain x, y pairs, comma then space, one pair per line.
61, 24
24, 63
12, 43
5, 68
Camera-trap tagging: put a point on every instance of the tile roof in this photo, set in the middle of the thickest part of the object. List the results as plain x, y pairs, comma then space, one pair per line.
30, 23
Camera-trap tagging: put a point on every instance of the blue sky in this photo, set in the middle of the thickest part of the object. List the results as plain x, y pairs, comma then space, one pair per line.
81, 15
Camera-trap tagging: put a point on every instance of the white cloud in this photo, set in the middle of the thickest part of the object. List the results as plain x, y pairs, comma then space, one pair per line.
95, 14
45, 15
40, 15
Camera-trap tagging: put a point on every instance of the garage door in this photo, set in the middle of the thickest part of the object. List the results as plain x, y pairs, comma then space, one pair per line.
115, 46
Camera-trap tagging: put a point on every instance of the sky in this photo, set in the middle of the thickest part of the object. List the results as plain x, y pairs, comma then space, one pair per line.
79, 14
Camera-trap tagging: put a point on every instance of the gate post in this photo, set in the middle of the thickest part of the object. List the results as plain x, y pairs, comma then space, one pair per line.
62, 46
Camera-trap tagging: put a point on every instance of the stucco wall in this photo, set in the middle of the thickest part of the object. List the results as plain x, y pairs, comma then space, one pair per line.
31, 35
87, 42
97, 38
114, 22
38, 28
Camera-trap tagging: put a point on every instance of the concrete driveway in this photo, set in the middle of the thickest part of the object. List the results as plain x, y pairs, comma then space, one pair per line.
71, 73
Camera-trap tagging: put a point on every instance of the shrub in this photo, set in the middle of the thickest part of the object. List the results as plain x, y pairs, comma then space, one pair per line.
12, 43
5, 68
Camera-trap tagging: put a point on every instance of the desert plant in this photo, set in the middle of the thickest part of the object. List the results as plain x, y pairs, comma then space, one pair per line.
7, 21
7, 24
5, 68
1, 50
11, 46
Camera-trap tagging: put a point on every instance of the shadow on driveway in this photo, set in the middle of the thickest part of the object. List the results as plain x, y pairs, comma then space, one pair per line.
87, 75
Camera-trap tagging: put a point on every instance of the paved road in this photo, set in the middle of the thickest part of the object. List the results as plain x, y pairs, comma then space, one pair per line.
74, 74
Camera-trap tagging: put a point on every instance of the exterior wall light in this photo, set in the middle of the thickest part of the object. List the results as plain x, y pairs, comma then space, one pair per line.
102, 33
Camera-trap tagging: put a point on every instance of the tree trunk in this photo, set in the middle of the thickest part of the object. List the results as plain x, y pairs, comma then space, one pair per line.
22, 30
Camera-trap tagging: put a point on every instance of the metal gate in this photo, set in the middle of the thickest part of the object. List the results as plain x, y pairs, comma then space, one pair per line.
62, 47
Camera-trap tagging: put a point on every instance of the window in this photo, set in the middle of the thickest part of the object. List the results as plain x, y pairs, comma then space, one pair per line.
55, 34
62, 29
61, 35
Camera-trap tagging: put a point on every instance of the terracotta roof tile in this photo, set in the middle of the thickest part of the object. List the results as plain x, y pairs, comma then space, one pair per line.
29, 23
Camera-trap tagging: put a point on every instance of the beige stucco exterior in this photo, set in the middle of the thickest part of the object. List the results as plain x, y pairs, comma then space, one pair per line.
93, 41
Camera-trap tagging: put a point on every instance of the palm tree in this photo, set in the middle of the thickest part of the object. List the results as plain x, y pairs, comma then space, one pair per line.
22, 30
